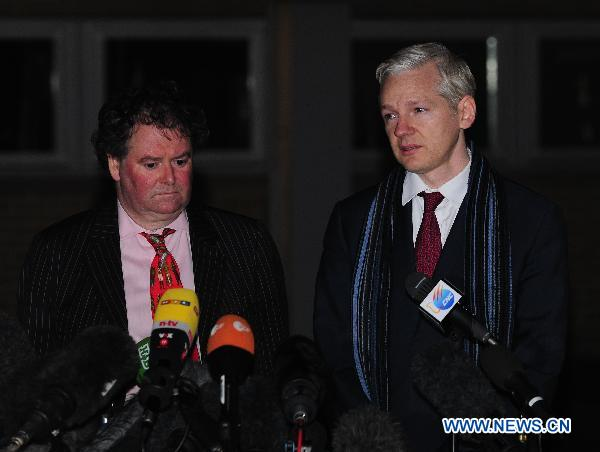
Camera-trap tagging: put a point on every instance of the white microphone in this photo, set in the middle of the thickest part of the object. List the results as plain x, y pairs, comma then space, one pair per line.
440, 303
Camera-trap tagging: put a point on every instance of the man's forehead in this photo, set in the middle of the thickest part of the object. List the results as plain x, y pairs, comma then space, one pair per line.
170, 133
152, 142
418, 84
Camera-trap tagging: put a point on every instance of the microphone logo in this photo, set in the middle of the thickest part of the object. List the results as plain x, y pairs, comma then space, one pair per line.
239, 326
164, 339
216, 328
442, 298
440, 301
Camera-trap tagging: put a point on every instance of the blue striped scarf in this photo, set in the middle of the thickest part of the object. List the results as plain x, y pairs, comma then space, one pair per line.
487, 271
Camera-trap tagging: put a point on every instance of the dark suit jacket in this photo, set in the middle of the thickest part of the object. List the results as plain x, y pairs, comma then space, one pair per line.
539, 278
72, 278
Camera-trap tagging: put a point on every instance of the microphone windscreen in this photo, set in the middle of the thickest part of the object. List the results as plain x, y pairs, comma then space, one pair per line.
367, 428
448, 379
178, 305
18, 364
100, 361
231, 330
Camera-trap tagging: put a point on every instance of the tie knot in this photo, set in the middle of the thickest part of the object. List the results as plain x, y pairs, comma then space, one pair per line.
158, 240
432, 200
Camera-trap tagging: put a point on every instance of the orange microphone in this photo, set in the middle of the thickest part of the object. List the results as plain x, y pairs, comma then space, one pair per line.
230, 349
230, 358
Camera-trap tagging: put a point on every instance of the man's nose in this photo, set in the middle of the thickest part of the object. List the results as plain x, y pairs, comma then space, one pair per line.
403, 127
168, 174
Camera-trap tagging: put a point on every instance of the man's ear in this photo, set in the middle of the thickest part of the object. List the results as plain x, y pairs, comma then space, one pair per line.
467, 110
113, 167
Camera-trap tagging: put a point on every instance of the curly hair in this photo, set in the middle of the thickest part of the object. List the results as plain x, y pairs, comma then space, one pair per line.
161, 105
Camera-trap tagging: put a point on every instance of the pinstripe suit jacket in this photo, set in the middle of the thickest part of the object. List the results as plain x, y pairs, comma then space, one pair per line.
72, 278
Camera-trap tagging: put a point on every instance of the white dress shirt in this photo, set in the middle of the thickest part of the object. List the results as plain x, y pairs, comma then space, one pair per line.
454, 192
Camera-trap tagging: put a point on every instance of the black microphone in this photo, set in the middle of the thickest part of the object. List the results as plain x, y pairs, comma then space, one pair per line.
367, 428
301, 376
439, 302
78, 382
507, 373
447, 378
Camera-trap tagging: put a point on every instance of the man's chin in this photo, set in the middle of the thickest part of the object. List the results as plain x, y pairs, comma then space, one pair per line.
170, 209
412, 167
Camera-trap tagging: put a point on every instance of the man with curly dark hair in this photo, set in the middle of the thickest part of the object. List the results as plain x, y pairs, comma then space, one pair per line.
93, 267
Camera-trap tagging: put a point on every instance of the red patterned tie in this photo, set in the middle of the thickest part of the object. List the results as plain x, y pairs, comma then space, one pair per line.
164, 272
428, 245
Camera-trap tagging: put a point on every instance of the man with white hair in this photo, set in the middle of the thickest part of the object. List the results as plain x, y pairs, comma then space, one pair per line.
445, 212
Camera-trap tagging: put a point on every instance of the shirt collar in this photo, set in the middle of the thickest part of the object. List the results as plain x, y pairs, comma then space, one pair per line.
128, 227
454, 190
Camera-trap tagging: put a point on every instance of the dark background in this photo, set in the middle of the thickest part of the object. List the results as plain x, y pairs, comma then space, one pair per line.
320, 136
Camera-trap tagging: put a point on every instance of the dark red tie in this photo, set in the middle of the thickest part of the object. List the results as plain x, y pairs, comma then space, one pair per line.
428, 245
164, 271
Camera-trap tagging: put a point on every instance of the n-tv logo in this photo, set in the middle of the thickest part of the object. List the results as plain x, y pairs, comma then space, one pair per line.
442, 298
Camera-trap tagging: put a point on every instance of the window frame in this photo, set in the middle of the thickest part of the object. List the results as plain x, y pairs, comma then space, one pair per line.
532, 152
64, 156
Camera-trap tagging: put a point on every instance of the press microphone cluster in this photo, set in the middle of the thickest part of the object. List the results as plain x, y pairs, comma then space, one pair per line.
439, 301
78, 382
173, 332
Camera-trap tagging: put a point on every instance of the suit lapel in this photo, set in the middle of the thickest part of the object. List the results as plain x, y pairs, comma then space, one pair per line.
450, 267
208, 266
104, 262
403, 264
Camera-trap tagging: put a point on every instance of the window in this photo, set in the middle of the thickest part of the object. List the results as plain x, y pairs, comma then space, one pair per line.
218, 65
37, 98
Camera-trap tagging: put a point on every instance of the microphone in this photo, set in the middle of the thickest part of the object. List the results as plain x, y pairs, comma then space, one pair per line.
508, 374
447, 378
78, 382
262, 427
172, 337
301, 379
439, 302
230, 358
367, 428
